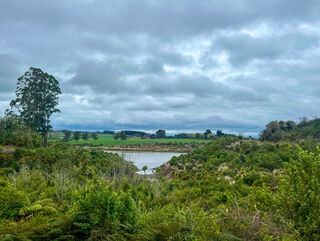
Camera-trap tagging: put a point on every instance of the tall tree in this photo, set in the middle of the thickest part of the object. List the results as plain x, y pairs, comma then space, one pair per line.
120, 135
123, 135
94, 135
76, 135
198, 135
85, 135
36, 100
206, 133
67, 135
116, 136
219, 133
161, 134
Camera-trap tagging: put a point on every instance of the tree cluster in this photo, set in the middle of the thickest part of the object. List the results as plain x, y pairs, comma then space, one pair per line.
291, 131
120, 135
77, 135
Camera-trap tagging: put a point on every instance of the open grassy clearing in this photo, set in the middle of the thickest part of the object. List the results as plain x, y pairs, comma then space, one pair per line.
107, 140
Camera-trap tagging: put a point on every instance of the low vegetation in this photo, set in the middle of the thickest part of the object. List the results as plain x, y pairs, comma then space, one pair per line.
230, 189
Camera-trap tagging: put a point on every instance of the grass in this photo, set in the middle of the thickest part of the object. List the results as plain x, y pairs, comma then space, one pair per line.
107, 140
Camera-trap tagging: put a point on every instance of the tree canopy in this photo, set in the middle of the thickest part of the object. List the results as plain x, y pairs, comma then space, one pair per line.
36, 100
76, 135
291, 131
120, 135
161, 134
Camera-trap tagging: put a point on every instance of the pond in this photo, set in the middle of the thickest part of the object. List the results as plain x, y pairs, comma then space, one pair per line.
149, 159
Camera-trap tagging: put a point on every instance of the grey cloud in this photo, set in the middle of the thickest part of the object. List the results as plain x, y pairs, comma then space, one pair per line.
155, 64
165, 18
243, 48
9, 72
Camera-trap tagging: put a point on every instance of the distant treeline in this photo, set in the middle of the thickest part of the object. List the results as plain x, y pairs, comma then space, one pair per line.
208, 135
274, 131
159, 134
107, 132
291, 130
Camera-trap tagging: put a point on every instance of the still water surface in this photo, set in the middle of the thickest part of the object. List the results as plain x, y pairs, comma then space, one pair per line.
150, 159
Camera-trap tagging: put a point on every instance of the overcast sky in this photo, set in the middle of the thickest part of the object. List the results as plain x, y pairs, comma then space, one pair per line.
149, 64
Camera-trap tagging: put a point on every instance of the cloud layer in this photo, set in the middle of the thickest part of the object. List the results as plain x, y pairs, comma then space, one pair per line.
147, 64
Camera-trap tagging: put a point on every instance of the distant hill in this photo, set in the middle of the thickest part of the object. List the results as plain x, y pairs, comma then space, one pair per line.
291, 131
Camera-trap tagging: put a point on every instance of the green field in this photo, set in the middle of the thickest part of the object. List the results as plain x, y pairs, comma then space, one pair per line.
107, 140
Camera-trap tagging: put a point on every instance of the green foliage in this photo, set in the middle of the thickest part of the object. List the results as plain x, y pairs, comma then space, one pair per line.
120, 135
167, 223
46, 181
145, 168
76, 135
45, 206
227, 190
250, 177
173, 161
219, 133
291, 131
94, 135
100, 207
36, 100
67, 135
13, 132
38, 228
161, 134
173, 223
299, 194
11, 201
85, 135
207, 133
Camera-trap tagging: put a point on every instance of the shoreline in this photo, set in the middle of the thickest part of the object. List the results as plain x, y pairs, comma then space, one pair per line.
140, 149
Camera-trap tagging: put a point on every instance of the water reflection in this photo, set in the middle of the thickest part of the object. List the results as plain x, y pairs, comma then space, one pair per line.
149, 159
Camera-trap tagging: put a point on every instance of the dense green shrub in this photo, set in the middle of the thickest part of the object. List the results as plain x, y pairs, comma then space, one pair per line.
11, 201
99, 207
13, 132
250, 177
299, 190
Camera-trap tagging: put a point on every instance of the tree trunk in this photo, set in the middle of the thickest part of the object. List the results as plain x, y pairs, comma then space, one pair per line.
45, 139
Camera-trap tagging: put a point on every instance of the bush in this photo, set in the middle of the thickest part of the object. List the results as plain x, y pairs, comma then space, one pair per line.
250, 177
99, 207
10, 202
13, 132
299, 194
